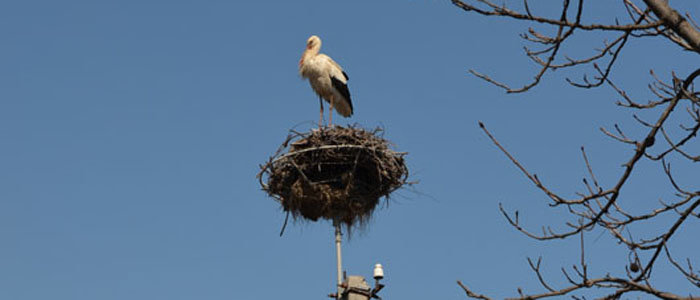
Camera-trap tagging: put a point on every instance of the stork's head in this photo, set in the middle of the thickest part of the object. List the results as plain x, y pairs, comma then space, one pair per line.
313, 43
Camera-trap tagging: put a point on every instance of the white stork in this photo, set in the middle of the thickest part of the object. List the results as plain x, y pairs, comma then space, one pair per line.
326, 78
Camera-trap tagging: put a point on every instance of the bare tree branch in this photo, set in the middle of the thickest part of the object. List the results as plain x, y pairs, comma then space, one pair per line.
672, 19
600, 204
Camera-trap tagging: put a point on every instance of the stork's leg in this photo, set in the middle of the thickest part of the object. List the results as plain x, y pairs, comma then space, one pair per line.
330, 114
320, 120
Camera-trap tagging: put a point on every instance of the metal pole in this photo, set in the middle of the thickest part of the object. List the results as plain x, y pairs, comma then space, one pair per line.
338, 238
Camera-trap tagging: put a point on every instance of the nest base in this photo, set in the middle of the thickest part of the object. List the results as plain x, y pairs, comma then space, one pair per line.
335, 173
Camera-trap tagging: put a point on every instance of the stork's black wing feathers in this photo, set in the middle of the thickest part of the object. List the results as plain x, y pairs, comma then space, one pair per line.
342, 88
346, 76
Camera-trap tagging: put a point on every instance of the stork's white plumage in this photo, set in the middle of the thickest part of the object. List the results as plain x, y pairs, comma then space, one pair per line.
326, 78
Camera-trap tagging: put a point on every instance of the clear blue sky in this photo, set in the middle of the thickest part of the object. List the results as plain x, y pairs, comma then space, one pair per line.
131, 133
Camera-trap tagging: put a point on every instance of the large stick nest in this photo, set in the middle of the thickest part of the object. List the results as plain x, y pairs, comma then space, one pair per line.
335, 173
